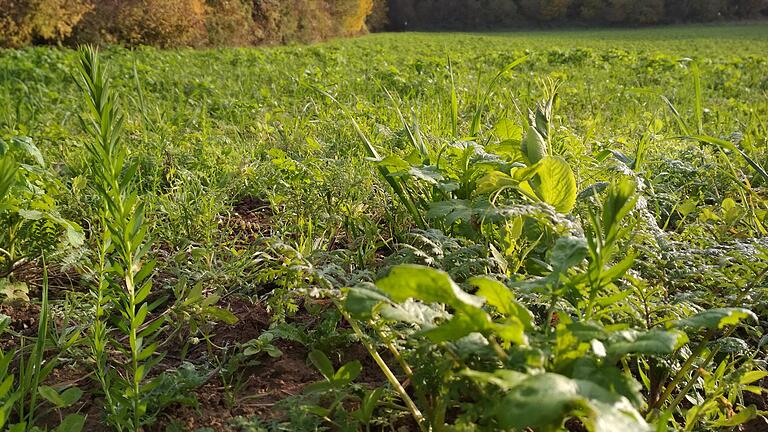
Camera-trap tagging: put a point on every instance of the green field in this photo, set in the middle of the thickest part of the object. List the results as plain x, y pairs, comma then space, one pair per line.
561, 230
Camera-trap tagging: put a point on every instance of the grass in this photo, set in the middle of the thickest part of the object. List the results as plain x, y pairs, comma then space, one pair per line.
261, 199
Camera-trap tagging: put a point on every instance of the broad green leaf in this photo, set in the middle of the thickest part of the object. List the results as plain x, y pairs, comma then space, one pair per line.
539, 401
221, 315
544, 401
26, 144
414, 312
18, 427
495, 293
499, 296
460, 325
494, 181
429, 174
51, 395
507, 129
361, 301
71, 395
14, 290
585, 331
568, 252
6, 385
512, 331
394, 164
31, 214
504, 379
348, 373
716, 318
451, 211
556, 184
71, 423
655, 342
607, 376
533, 146
426, 284
322, 363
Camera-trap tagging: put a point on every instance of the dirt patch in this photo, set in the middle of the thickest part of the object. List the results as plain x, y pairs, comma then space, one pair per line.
759, 424
252, 390
24, 318
249, 220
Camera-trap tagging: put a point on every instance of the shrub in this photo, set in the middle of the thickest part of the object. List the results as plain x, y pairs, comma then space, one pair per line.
229, 22
351, 14
402, 13
163, 23
503, 12
707, 10
545, 10
378, 20
679, 10
25, 21
617, 11
749, 8
285, 21
647, 11
592, 10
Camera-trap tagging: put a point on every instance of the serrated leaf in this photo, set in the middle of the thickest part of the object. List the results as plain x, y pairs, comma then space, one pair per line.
451, 211
460, 325
507, 129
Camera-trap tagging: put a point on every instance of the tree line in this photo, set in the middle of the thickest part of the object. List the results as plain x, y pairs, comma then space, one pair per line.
486, 14
197, 23
168, 23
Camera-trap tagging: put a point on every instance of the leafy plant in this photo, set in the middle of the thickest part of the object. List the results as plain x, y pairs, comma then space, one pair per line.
28, 210
122, 273
21, 408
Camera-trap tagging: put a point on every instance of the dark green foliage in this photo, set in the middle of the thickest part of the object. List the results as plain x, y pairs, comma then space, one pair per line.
484, 14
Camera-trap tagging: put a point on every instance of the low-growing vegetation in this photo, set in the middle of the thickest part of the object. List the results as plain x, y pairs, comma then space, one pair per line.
422, 232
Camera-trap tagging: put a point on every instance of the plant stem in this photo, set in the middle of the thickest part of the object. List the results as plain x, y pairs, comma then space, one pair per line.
415, 412
697, 373
683, 371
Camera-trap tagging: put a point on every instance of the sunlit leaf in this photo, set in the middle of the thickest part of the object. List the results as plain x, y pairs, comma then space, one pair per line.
556, 184
716, 318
